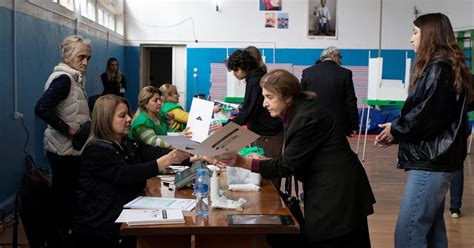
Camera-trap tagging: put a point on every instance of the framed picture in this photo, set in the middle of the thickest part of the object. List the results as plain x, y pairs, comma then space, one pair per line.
282, 20
270, 20
270, 5
322, 18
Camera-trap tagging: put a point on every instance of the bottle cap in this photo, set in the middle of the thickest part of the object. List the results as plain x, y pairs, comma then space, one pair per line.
201, 172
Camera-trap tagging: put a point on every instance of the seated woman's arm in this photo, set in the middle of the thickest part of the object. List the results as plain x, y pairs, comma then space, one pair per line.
180, 115
148, 136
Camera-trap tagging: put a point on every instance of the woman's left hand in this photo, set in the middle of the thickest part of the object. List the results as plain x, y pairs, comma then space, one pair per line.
229, 158
187, 133
385, 138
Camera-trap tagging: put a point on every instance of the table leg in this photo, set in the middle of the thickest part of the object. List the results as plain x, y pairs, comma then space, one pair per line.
365, 136
360, 128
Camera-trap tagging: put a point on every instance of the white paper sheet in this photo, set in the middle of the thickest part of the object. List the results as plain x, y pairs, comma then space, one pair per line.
149, 202
150, 216
199, 119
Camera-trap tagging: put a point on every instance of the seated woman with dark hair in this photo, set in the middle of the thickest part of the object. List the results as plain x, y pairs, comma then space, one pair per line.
114, 171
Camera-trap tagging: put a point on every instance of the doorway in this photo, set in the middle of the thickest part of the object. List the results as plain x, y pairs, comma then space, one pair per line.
161, 64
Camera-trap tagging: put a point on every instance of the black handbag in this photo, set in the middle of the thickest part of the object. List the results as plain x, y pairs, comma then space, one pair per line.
293, 202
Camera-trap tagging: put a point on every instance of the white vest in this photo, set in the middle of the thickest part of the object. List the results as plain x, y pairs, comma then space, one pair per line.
74, 110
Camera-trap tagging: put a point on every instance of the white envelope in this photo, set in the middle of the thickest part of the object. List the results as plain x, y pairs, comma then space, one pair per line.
230, 138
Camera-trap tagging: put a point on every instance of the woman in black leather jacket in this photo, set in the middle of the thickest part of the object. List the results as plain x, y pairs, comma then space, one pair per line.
114, 171
431, 131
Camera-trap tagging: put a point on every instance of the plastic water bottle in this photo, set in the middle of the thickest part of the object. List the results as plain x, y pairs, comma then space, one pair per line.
201, 189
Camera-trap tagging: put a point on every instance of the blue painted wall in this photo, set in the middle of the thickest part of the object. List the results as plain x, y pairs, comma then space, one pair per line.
37, 53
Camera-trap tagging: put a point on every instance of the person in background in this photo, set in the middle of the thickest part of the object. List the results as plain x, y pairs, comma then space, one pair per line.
431, 131
172, 107
148, 122
255, 53
338, 197
252, 113
335, 90
456, 187
113, 80
63, 106
114, 171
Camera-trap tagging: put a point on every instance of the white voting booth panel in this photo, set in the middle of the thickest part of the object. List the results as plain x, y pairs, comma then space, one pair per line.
386, 89
235, 87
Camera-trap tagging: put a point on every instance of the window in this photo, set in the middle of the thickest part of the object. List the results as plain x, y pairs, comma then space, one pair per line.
68, 4
91, 10
106, 19
104, 12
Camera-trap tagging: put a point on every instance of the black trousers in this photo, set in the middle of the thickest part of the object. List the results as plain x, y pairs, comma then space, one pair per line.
65, 174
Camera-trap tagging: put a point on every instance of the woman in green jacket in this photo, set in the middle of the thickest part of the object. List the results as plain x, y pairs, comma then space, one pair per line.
148, 121
172, 108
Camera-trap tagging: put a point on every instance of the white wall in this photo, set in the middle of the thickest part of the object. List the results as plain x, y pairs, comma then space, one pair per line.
239, 22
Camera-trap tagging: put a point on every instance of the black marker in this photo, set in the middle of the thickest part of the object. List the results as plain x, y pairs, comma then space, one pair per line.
163, 212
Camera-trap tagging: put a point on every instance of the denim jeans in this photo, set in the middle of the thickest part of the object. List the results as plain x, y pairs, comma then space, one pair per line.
420, 221
455, 190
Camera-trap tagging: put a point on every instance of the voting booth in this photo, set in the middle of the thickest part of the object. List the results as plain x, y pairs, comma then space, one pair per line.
386, 89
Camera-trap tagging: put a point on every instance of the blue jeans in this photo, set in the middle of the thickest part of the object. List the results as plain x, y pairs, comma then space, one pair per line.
420, 221
456, 189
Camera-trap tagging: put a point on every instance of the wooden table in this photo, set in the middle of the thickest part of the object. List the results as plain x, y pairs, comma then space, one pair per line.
215, 232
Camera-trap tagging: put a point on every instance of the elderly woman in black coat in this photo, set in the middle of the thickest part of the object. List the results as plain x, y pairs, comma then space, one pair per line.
337, 193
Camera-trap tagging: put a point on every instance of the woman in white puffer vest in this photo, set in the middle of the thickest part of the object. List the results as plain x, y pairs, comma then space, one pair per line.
63, 106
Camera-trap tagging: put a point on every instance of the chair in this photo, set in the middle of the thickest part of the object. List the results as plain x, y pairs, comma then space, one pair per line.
34, 204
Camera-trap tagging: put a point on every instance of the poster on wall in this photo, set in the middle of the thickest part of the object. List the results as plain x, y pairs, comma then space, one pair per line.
272, 5
322, 18
270, 20
282, 20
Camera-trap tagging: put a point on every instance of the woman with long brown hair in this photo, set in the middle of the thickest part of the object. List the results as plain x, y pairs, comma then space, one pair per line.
431, 130
113, 79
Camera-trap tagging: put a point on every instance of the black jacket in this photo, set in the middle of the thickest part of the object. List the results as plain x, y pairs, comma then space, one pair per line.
112, 87
337, 192
335, 91
111, 175
432, 127
253, 113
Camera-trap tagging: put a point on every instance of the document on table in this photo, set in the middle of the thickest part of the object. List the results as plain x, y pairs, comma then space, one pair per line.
150, 216
199, 118
230, 138
149, 202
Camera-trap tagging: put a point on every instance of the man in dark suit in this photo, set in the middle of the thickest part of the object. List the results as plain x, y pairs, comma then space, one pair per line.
334, 89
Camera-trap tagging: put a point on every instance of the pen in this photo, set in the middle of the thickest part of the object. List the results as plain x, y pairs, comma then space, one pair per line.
163, 212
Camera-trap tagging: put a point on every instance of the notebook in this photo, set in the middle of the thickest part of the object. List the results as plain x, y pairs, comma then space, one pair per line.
150, 216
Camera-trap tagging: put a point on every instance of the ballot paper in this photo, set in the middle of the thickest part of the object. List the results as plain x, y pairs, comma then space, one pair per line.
150, 216
230, 138
199, 118
149, 202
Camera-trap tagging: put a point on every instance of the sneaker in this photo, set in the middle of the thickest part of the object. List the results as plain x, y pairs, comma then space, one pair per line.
455, 213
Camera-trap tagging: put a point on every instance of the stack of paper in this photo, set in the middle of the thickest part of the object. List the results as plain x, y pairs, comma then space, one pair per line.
148, 202
150, 216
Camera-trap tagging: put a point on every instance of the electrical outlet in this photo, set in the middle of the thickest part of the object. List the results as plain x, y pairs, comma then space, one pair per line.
17, 115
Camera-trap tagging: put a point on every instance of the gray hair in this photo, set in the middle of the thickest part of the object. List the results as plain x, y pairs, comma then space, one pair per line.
70, 44
329, 52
